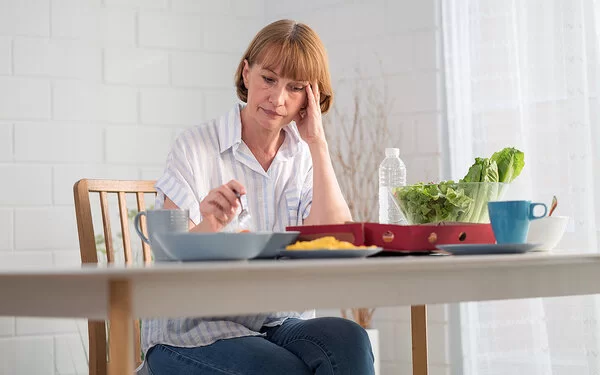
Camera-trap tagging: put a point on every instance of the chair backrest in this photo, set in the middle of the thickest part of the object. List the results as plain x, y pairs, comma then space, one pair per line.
82, 191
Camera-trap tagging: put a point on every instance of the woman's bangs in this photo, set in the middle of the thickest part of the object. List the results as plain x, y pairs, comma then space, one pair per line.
291, 61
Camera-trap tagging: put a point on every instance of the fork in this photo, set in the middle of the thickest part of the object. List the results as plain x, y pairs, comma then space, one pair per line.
244, 216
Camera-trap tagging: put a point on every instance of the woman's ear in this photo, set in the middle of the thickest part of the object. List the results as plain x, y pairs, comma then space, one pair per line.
245, 72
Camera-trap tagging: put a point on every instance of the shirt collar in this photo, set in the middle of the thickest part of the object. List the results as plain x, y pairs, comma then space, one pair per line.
230, 133
230, 128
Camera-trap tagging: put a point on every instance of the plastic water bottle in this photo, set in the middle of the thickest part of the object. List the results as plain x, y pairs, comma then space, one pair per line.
392, 173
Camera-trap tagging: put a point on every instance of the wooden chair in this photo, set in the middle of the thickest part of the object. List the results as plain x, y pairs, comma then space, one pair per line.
82, 190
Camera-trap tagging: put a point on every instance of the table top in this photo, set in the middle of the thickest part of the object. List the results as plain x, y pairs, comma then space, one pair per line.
235, 287
406, 263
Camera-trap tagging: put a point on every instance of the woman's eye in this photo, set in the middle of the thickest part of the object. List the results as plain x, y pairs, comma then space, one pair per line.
298, 88
268, 79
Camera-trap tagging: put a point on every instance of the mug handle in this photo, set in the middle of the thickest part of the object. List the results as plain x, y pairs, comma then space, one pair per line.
136, 224
532, 207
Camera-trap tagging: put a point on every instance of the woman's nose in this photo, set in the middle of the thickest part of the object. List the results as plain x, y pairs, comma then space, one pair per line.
277, 96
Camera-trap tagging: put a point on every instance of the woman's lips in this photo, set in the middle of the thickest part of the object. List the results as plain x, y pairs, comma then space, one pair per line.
271, 113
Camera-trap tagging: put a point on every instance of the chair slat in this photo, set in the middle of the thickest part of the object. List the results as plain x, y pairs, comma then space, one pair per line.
125, 227
141, 206
110, 252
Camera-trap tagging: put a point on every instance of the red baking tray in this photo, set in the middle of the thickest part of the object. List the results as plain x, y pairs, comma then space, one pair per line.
402, 238
351, 232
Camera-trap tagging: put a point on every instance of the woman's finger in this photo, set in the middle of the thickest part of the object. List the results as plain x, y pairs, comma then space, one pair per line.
236, 186
210, 209
229, 195
219, 212
317, 94
227, 203
310, 95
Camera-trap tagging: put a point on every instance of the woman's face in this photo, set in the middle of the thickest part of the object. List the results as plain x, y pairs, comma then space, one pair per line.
273, 101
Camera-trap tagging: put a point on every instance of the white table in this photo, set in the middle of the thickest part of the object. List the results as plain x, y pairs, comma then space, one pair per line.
120, 294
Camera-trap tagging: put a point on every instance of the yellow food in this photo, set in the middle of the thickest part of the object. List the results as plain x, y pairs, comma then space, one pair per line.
325, 243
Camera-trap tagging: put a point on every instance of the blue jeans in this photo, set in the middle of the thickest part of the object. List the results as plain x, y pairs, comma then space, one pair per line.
321, 346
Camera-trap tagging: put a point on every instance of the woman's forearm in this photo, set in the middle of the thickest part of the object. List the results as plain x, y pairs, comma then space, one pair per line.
328, 205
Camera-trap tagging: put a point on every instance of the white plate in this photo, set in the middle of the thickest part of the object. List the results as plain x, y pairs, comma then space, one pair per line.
480, 249
326, 253
190, 246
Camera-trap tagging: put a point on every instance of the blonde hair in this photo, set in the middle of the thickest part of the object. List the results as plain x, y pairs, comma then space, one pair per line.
297, 50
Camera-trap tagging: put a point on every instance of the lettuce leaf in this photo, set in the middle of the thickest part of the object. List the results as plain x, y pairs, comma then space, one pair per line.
510, 163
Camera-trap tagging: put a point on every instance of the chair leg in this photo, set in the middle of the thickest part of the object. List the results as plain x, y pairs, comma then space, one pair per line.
418, 318
97, 347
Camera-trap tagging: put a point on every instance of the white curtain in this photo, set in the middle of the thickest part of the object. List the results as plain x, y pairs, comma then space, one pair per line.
524, 73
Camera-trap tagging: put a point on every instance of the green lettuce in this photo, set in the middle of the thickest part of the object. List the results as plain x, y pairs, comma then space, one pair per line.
465, 200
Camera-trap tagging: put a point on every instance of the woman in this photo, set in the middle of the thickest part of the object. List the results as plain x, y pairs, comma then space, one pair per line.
274, 152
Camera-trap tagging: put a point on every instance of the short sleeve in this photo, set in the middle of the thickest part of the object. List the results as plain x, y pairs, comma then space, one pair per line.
306, 195
178, 181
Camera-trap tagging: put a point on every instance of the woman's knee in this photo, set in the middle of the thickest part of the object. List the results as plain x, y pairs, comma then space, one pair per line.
339, 331
344, 346
250, 355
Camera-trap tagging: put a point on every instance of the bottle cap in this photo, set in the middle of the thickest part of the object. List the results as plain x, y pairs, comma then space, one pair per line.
389, 152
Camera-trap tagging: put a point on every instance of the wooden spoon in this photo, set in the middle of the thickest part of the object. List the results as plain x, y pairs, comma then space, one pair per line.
553, 205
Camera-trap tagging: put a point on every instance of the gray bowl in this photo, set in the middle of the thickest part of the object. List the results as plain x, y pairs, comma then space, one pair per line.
191, 246
278, 242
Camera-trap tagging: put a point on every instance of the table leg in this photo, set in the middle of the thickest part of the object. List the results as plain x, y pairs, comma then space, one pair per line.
121, 328
418, 318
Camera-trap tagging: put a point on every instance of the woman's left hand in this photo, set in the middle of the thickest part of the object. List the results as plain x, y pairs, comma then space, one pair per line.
308, 120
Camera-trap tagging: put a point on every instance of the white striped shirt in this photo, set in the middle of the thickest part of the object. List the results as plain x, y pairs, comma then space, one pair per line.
205, 157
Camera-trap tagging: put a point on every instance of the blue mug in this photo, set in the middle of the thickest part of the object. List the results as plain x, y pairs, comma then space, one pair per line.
510, 219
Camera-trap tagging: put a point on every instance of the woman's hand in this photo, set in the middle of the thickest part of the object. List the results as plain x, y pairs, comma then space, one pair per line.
308, 120
219, 206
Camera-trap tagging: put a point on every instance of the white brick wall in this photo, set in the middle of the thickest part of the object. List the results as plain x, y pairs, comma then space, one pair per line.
217, 69
5, 55
24, 98
171, 106
6, 142
135, 66
33, 142
56, 58
93, 23
26, 17
171, 30
85, 101
6, 229
99, 89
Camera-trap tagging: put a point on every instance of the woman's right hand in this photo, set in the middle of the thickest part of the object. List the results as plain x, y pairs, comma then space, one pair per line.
220, 205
